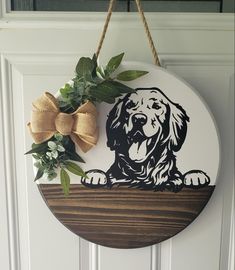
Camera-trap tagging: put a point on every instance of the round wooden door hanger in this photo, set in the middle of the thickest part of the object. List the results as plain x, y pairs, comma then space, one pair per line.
153, 170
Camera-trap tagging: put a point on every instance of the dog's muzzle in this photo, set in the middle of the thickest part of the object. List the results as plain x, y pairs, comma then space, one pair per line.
139, 119
140, 144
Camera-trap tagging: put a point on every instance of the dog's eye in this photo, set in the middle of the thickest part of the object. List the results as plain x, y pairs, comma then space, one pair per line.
156, 106
130, 104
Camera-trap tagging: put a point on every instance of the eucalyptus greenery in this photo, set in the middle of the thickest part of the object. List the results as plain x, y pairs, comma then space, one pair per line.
57, 153
91, 83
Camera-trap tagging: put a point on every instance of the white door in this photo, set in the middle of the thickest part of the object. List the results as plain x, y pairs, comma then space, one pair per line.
39, 52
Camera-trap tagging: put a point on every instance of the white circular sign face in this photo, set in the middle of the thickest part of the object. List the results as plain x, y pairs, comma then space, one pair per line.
160, 138
165, 120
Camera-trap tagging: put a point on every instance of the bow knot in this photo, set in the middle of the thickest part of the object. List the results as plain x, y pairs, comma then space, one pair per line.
80, 125
64, 123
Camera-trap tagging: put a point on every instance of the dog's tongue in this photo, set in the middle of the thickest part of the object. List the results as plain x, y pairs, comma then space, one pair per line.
138, 150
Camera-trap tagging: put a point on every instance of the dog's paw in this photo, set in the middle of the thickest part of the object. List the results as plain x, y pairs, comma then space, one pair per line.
196, 179
159, 184
95, 178
175, 185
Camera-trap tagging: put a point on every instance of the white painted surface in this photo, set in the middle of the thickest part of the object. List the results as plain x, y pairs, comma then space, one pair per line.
199, 152
39, 53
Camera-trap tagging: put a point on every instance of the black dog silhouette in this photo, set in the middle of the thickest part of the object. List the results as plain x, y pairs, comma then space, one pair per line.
146, 129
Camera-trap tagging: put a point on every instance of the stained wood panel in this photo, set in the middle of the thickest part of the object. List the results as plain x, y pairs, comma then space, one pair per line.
124, 217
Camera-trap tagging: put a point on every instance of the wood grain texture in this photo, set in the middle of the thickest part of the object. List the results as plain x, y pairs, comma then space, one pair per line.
124, 217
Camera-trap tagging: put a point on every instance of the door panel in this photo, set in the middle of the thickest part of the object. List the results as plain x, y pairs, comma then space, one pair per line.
35, 60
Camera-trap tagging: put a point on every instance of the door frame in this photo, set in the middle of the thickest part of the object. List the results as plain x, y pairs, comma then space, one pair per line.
79, 20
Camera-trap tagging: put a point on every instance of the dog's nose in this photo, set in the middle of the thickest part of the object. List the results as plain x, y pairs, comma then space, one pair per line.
139, 119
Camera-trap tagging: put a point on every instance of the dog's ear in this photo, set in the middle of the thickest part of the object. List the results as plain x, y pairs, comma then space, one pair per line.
177, 127
114, 126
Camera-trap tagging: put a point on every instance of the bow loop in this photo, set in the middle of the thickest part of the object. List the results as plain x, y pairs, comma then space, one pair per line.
43, 121
46, 103
80, 126
46, 120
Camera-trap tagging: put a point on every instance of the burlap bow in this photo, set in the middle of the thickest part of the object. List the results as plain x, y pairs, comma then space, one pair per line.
80, 125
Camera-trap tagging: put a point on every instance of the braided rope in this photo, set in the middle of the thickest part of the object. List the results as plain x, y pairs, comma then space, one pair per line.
146, 27
110, 10
141, 12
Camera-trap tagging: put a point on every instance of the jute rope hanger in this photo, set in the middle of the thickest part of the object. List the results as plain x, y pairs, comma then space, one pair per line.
141, 12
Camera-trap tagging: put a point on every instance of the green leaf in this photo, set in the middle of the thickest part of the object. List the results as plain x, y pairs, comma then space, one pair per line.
52, 175
37, 164
105, 91
130, 75
109, 100
37, 148
66, 90
122, 88
74, 156
52, 145
65, 181
100, 73
75, 169
70, 149
63, 104
60, 148
85, 67
39, 173
114, 63
94, 60
58, 137
66, 108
